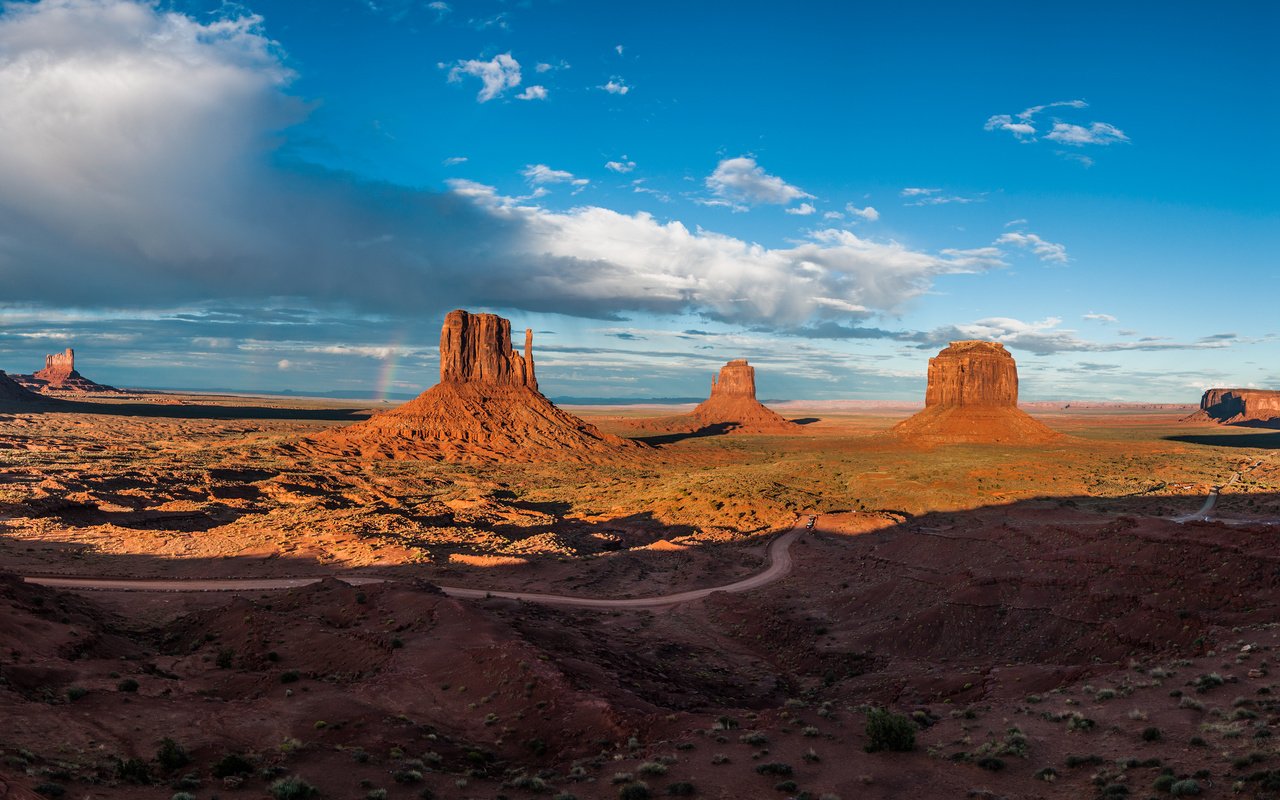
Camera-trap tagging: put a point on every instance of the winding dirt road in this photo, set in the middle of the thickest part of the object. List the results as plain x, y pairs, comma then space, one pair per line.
778, 557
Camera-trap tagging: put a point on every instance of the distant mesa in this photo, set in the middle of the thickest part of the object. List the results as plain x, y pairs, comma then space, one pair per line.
487, 407
972, 397
59, 376
1238, 407
733, 403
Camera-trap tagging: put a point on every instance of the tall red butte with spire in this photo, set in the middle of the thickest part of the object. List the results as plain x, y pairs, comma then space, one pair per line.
733, 403
972, 397
487, 407
59, 375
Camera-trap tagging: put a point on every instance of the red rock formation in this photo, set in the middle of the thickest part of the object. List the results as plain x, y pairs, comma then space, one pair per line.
972, 373
487, 407
972, 397
15, 395
733, 403
1238, 406
59, 375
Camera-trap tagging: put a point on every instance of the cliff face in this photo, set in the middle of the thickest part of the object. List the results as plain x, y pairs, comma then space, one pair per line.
58, 367
1239, 405
737, 379
476, 348
972, 373
487, 407
972, 398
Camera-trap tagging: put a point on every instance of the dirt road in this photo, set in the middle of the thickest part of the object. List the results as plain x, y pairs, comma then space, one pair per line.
778, 560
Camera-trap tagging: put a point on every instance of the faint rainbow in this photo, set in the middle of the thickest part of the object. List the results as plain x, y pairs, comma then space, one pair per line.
387, 372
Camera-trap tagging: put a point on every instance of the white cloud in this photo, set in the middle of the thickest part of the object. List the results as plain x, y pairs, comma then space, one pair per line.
1044, 250
1045, 337
931, 197
1023, 127
1104, 318
802, 210
453, 161
624, 166
832, 215
618, 48
1015, 222
616, 85
539, 174
1077, 157
498, 74
869, 213
1078, 135
741, 180
283, 364
533, 93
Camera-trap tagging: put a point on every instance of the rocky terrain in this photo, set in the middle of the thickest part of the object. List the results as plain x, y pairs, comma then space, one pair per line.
1239, 407
15, 395
59, 376
487, 407
972, 396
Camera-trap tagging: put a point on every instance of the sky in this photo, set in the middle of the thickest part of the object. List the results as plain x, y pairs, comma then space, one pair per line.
277, 196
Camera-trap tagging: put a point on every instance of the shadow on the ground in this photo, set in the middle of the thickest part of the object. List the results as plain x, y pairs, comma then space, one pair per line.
1262, 441
658, 440
806, 420
184, 410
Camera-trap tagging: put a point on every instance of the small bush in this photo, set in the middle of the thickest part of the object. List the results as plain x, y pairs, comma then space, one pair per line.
652, 768
889, 731
775, 768
127, 685
171, 755
682, 789
289, 676
50, 790
1164, 783
183, 796
1151, 734
638, 790
1048, 775
232, 764
1185, 788
292, 788
1084, 761
76, 692
754, 738
133, 770
785, 786
991, 763
225, 658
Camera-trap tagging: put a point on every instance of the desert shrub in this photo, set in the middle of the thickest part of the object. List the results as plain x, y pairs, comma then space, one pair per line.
1185, 788
133, 770
774, 768
127, 685
719, 758
889, 731
1084, 761
183, 796
289, 676
991, 763
50, 789
1079, 722
1048, 775
639, 790
1115, 790
376, 794
754, 738
530, 783
1164, 783
1151, 734
224, 658
291, 788
682, 789
171, 755
76, 692
1204, 683
785, 786
652, 768
811, 756
232, 764
407, 776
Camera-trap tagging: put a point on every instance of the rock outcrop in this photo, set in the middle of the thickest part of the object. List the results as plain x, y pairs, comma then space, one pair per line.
972, 397
733, 403
14, 395
487, 407
59, 375
1238, 407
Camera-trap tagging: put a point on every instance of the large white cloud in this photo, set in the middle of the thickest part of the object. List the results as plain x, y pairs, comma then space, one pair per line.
137, 168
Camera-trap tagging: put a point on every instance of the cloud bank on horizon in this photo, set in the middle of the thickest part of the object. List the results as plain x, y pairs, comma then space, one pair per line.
147, 161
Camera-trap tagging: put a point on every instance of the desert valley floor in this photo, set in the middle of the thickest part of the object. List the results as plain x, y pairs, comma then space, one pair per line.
1058, 620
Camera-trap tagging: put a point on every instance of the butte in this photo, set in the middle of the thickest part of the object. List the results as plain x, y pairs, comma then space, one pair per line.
1248, 407
733, 404
487, 407
972, 398
60, 375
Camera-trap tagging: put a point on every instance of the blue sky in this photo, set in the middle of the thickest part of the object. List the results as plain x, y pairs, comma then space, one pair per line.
263, 196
